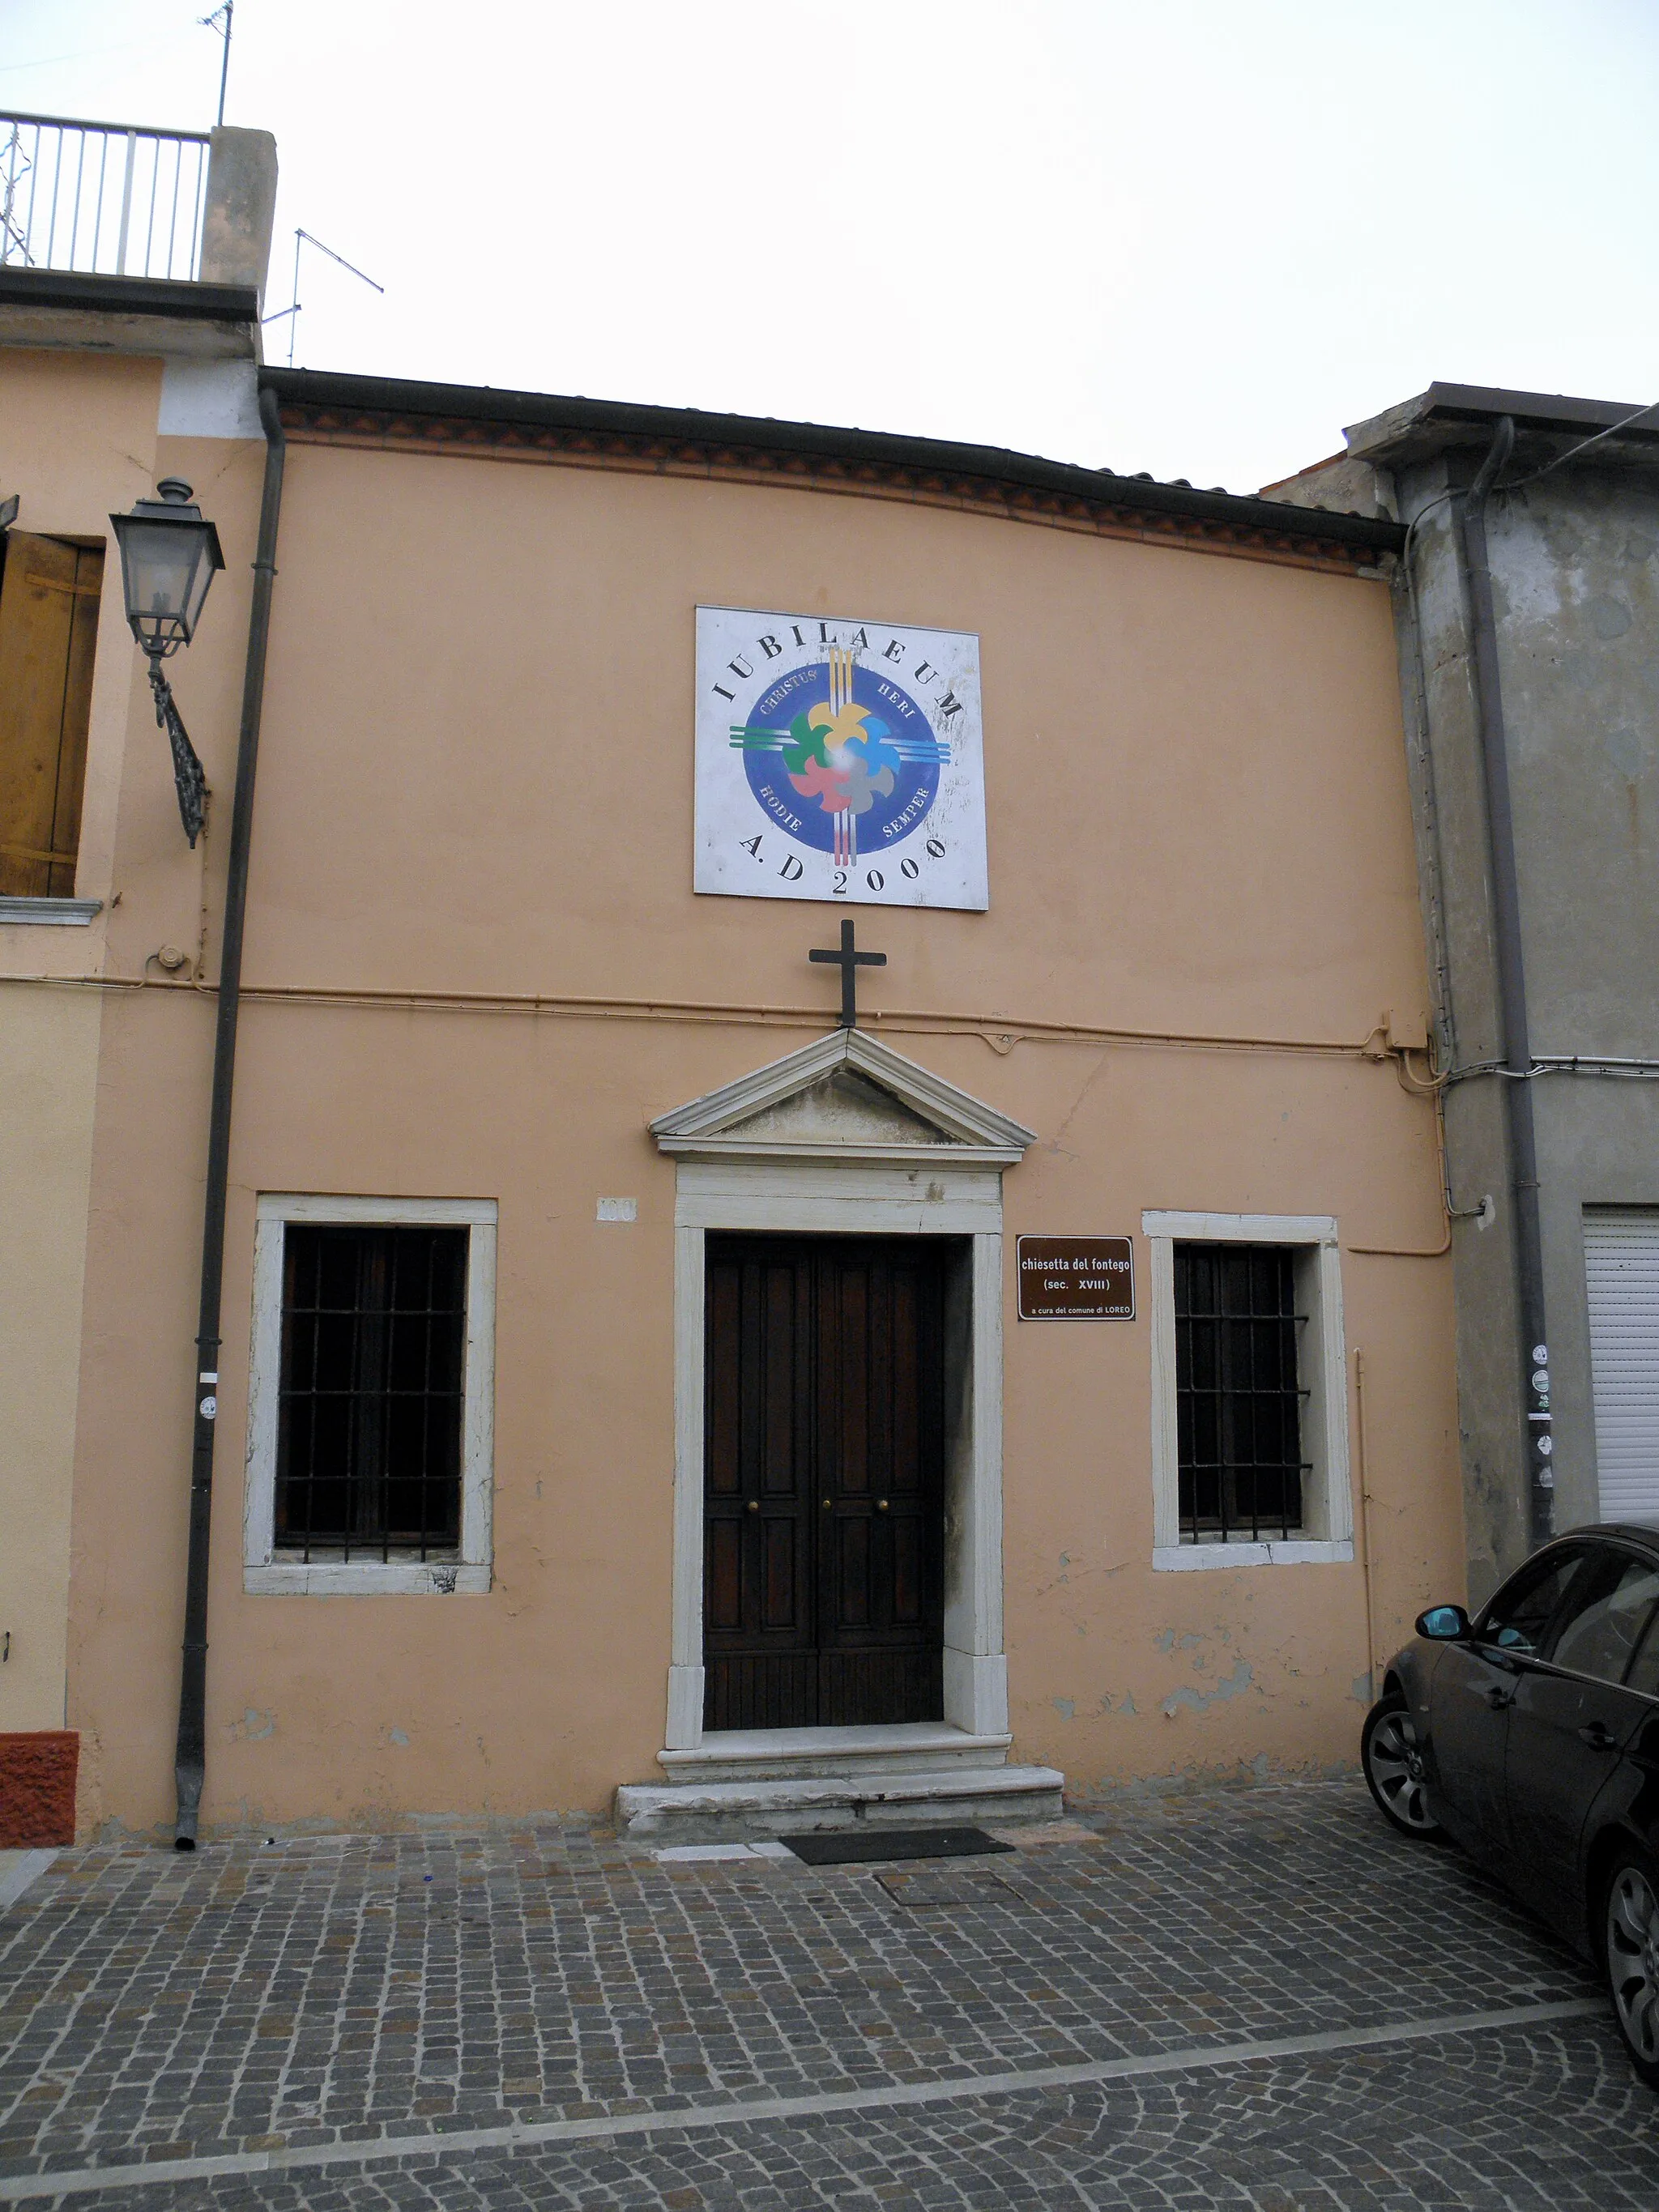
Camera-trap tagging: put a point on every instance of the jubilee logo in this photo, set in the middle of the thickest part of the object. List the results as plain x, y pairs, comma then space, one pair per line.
840, 760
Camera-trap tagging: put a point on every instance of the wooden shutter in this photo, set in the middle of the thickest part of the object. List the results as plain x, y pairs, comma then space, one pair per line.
1621, 1270
48, 594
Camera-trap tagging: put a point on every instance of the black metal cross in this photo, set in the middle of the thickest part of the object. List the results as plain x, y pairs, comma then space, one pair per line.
849, 962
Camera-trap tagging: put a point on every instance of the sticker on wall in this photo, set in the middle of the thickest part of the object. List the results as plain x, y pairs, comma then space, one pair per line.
838, 760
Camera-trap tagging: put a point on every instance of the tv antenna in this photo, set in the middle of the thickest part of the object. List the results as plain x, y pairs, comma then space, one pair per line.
291, 315
221, 21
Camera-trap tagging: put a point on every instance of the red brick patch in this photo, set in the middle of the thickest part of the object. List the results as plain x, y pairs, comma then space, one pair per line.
37, 1789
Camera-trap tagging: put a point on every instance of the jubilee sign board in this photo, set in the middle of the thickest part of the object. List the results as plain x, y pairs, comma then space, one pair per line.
838, 760
1076, 1279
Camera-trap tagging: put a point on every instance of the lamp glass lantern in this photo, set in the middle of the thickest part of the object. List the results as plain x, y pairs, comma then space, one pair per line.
168, 556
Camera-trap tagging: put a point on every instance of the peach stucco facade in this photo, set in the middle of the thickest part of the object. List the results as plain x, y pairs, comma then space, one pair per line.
476, 969
76, 438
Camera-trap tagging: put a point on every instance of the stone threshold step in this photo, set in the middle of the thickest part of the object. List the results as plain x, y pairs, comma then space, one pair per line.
803, 1754
719, 1812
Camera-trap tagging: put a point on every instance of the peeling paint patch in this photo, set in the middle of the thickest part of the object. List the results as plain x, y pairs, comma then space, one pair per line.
1630, 754
396, 1735
1360, 1690
1066, 1707
1198, 1701
253, 1727
1609, 618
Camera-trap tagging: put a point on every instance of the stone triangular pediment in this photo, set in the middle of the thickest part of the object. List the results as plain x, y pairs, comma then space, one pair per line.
848, 1097
844, 1109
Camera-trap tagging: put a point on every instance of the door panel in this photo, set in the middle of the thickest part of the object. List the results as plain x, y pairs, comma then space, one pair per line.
781, 1536
1469, 1701
757, 1566
852, 1585
909, 1597
1569, 1722
881, 1483
825, 1482
1472, 1694
780, 1438
722, 1475
1564, 1738
723, 1596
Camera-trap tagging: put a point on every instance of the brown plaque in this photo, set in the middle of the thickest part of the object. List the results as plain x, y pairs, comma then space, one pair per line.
1076, 1279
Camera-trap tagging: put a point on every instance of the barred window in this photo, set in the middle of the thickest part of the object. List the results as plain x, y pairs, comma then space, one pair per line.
372, 1393
1238, 1399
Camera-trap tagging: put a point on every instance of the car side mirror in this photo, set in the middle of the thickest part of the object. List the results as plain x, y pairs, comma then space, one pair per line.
1443, 1624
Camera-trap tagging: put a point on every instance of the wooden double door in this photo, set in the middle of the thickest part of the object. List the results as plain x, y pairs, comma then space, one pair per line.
824, 1481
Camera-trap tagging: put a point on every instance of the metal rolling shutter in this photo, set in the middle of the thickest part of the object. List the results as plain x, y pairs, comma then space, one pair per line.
1621, 1266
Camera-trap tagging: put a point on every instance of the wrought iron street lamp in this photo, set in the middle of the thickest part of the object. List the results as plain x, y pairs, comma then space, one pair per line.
170, 554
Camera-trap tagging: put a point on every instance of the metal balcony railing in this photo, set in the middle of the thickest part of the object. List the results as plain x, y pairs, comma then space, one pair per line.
104, 199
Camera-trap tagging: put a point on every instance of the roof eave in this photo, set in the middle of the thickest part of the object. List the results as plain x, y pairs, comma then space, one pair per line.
89, 293
1449, 415
524, 411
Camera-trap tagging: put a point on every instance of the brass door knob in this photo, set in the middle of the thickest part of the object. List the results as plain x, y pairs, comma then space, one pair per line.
881, 1505
826, 1504
754, 1505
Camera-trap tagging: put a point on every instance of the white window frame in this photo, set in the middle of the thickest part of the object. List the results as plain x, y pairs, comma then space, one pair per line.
1323, 1371
265, 1573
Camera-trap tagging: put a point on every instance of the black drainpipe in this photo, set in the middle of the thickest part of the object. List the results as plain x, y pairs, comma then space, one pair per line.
190, 1760
1470, 511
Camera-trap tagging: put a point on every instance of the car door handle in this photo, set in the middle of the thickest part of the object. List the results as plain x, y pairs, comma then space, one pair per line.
1596, 1735
1499, 1700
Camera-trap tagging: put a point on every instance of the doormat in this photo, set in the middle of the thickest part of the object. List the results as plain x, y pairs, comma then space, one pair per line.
855, 1846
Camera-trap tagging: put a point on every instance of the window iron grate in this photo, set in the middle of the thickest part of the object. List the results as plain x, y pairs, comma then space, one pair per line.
1238, 1394
368, 1441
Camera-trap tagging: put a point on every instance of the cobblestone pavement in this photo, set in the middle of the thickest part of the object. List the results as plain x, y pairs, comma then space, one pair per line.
568, 2022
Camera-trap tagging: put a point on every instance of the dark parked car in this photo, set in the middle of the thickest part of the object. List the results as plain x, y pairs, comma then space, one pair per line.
1530, 1735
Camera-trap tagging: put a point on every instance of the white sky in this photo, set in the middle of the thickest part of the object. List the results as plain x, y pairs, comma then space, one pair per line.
1192, 236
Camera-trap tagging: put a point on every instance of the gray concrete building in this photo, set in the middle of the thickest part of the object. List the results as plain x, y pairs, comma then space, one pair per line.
1529, 624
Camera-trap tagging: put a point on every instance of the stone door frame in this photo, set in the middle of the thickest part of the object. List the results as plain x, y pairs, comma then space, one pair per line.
937, 1171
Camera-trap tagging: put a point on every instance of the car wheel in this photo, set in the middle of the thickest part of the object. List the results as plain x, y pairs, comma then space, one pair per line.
1630, 1951
1391, 1752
